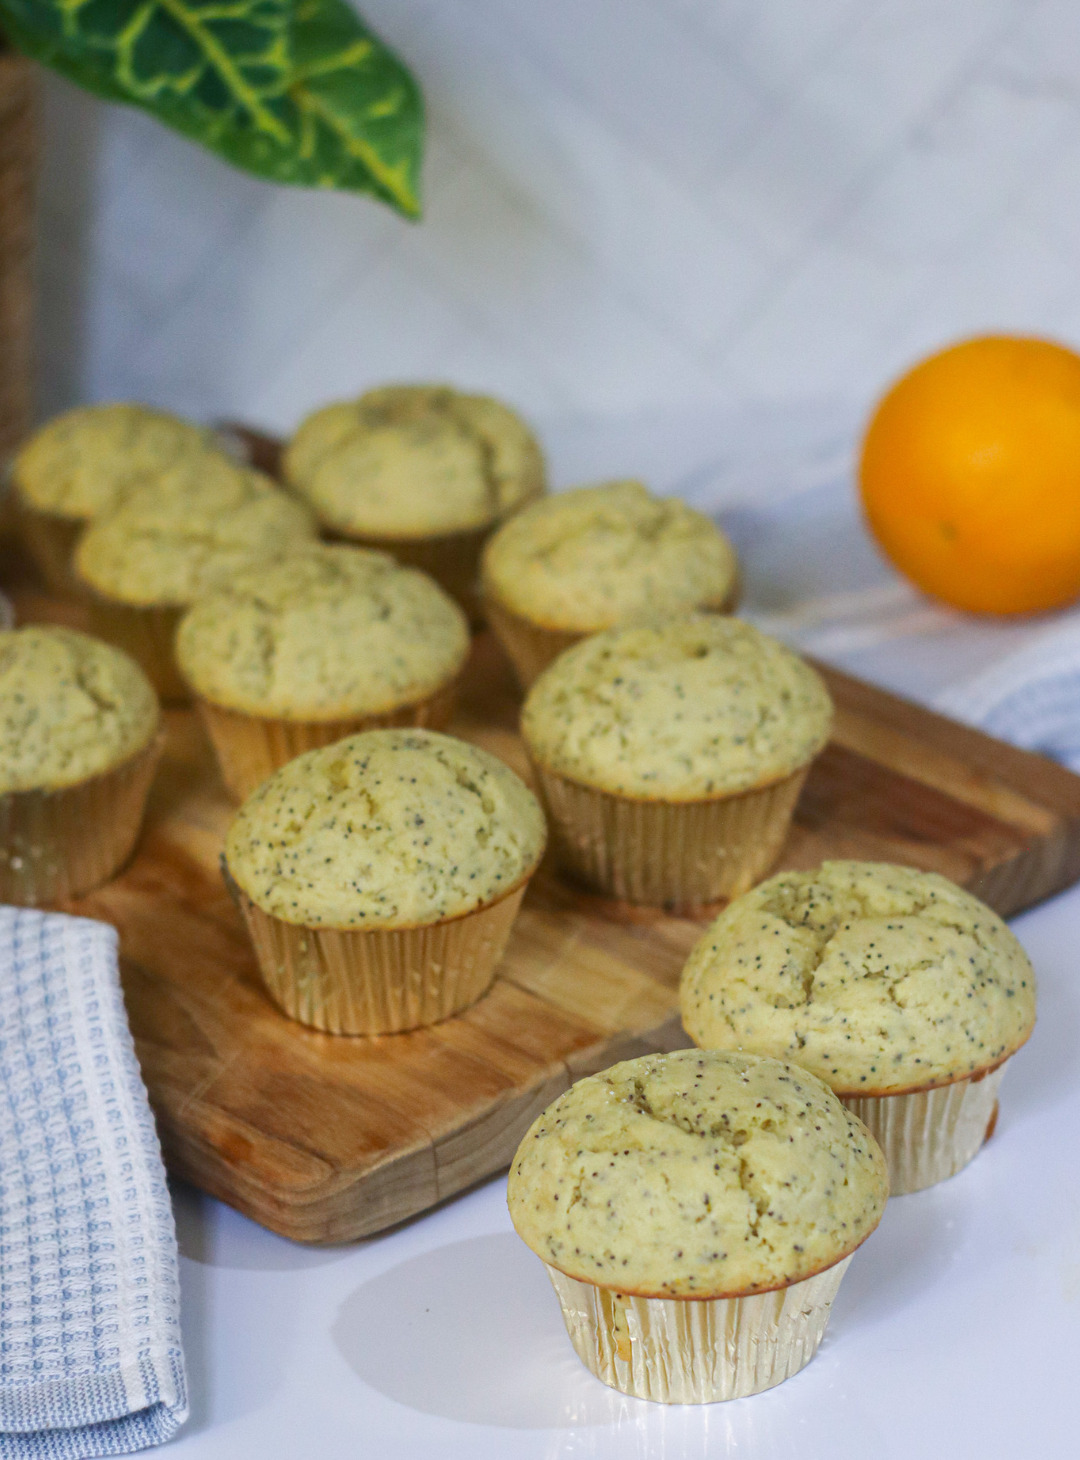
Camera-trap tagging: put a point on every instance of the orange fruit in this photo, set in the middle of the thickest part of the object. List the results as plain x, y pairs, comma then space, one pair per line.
970, 475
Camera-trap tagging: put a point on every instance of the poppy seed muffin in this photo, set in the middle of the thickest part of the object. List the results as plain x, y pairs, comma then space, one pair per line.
573, 564
163, 548
319, 645
81, 464
168, 548
379, 877
326, 632
683, 707
898, 988
702, 1178
71, 707
670, 755
423, 470
79, 731
414, 461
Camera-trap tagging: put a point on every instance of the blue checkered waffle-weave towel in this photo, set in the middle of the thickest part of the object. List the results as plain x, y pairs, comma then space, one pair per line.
90, 1356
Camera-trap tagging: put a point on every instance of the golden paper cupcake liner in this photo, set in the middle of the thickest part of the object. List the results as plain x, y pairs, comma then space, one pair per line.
379, 980
696, 1350
930, 1135
531, 647
50, 539
676, 854
148, 634
249, 748
60, 844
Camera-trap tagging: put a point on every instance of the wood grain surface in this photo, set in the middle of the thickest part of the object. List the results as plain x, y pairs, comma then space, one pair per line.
328, 1138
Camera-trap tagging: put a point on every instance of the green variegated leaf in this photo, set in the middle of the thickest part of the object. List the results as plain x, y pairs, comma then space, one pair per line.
298, 91
378, 135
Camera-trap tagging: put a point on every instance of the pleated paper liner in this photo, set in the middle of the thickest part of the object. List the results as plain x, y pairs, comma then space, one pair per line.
531, 647
147, 633
379, 980
930, 1135
60, 844
697, 1350
680, 855
250, 748
50, 539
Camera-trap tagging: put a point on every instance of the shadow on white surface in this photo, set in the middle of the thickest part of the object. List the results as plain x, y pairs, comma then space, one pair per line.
472, 1332
219, 1306
920, 1237
1044, 1073
194, 1313
236, 1361
214, 1235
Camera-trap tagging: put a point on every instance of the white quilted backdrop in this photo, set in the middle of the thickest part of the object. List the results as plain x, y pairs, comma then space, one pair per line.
634, 207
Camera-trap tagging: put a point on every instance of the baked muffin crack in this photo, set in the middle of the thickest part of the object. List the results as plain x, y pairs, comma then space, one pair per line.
876, 978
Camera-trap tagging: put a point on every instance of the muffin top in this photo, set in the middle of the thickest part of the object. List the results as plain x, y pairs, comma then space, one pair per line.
71, 707
410, 461
878, 978
596, 556
171, 542
390, 828
324, 633
680, 710
82, 463
696, 1174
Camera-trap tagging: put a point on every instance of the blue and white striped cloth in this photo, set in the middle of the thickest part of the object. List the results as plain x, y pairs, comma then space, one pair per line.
1031, 697
90, 1355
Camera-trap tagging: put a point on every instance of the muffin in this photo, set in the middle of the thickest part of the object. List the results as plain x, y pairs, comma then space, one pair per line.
570, 565
81, 465
379, 878
897, 988
696, 1212
319, 645
670, 756
168, 544
79, 740
423, 471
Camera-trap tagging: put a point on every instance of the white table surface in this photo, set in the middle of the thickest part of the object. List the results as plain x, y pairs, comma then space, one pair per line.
956, 1332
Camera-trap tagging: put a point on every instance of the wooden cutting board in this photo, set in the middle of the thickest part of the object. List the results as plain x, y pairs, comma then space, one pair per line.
329, 1138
